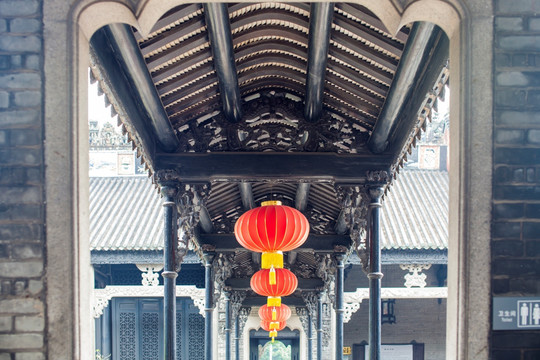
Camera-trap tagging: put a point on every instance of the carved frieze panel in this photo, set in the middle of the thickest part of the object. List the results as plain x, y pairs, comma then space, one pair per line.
150, 275
273, 122
415, 277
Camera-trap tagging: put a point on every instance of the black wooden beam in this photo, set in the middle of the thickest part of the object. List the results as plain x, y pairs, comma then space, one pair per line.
103, 58
320, 27
302, 195
261, 300
271, 166
303, 284
120, 40
438, 60
246, 193
219, 32
317, 243
414, 61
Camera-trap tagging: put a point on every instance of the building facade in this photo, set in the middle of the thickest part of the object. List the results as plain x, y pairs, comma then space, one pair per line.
45, 267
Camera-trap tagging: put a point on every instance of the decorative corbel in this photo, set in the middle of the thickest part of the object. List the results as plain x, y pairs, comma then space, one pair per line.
353, 216
191, 201
222, 269
303, 315
326, 268
243, 315
237, 297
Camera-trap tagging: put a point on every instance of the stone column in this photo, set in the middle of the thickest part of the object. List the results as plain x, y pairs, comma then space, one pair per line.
340, 267
375, 275
227, 326
169, 269
208, 255
319, 325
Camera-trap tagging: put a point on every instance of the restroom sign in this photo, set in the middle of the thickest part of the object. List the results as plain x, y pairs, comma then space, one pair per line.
516, 313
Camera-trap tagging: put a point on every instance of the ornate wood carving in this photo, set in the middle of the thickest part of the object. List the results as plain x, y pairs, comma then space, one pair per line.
243, 315
190, 201
236, 300
223, 269
273, 122
326, 270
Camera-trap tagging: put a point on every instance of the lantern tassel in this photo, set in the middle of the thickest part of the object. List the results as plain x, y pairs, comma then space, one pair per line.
272, 276
274, 314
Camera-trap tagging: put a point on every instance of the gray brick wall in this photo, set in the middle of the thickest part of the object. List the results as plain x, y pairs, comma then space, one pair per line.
22, 309
426, 326
516, 182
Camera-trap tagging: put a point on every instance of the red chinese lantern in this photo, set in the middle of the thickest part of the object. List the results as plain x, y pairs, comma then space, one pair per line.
273, 325
286, 283
272, 229
273, 313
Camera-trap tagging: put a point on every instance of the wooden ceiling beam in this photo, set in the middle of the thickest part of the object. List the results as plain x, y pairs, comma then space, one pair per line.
246, 193
304, 284
414, 61
302, 195
273, 166
219, 33
320, 28
126, 59
316, 243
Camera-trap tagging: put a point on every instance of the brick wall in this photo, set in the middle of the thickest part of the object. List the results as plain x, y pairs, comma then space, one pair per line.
516, 182
426, 326
22, 321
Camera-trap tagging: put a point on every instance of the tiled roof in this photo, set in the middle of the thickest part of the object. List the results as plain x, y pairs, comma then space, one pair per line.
126, 213
415, 211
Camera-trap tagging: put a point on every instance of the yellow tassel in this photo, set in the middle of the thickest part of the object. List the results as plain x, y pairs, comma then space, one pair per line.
273, 301
274, 325
273, 339
273, 333
274, 313
272, 276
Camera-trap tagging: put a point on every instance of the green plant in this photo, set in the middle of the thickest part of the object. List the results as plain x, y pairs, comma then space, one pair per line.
101, 357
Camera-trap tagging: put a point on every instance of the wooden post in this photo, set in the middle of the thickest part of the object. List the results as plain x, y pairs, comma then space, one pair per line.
208, 306
227, 326
169, 270
319, 325
340, 257
375, 275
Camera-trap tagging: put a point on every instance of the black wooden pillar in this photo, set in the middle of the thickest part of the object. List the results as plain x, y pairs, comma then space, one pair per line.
227, 326
375, 275
208, 305
169, 270
319, 325
310, 336
236, 337
340, 257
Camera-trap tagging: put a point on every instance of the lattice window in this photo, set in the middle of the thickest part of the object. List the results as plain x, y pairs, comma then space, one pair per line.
179, 341
150, 336
196, 337
127, 336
